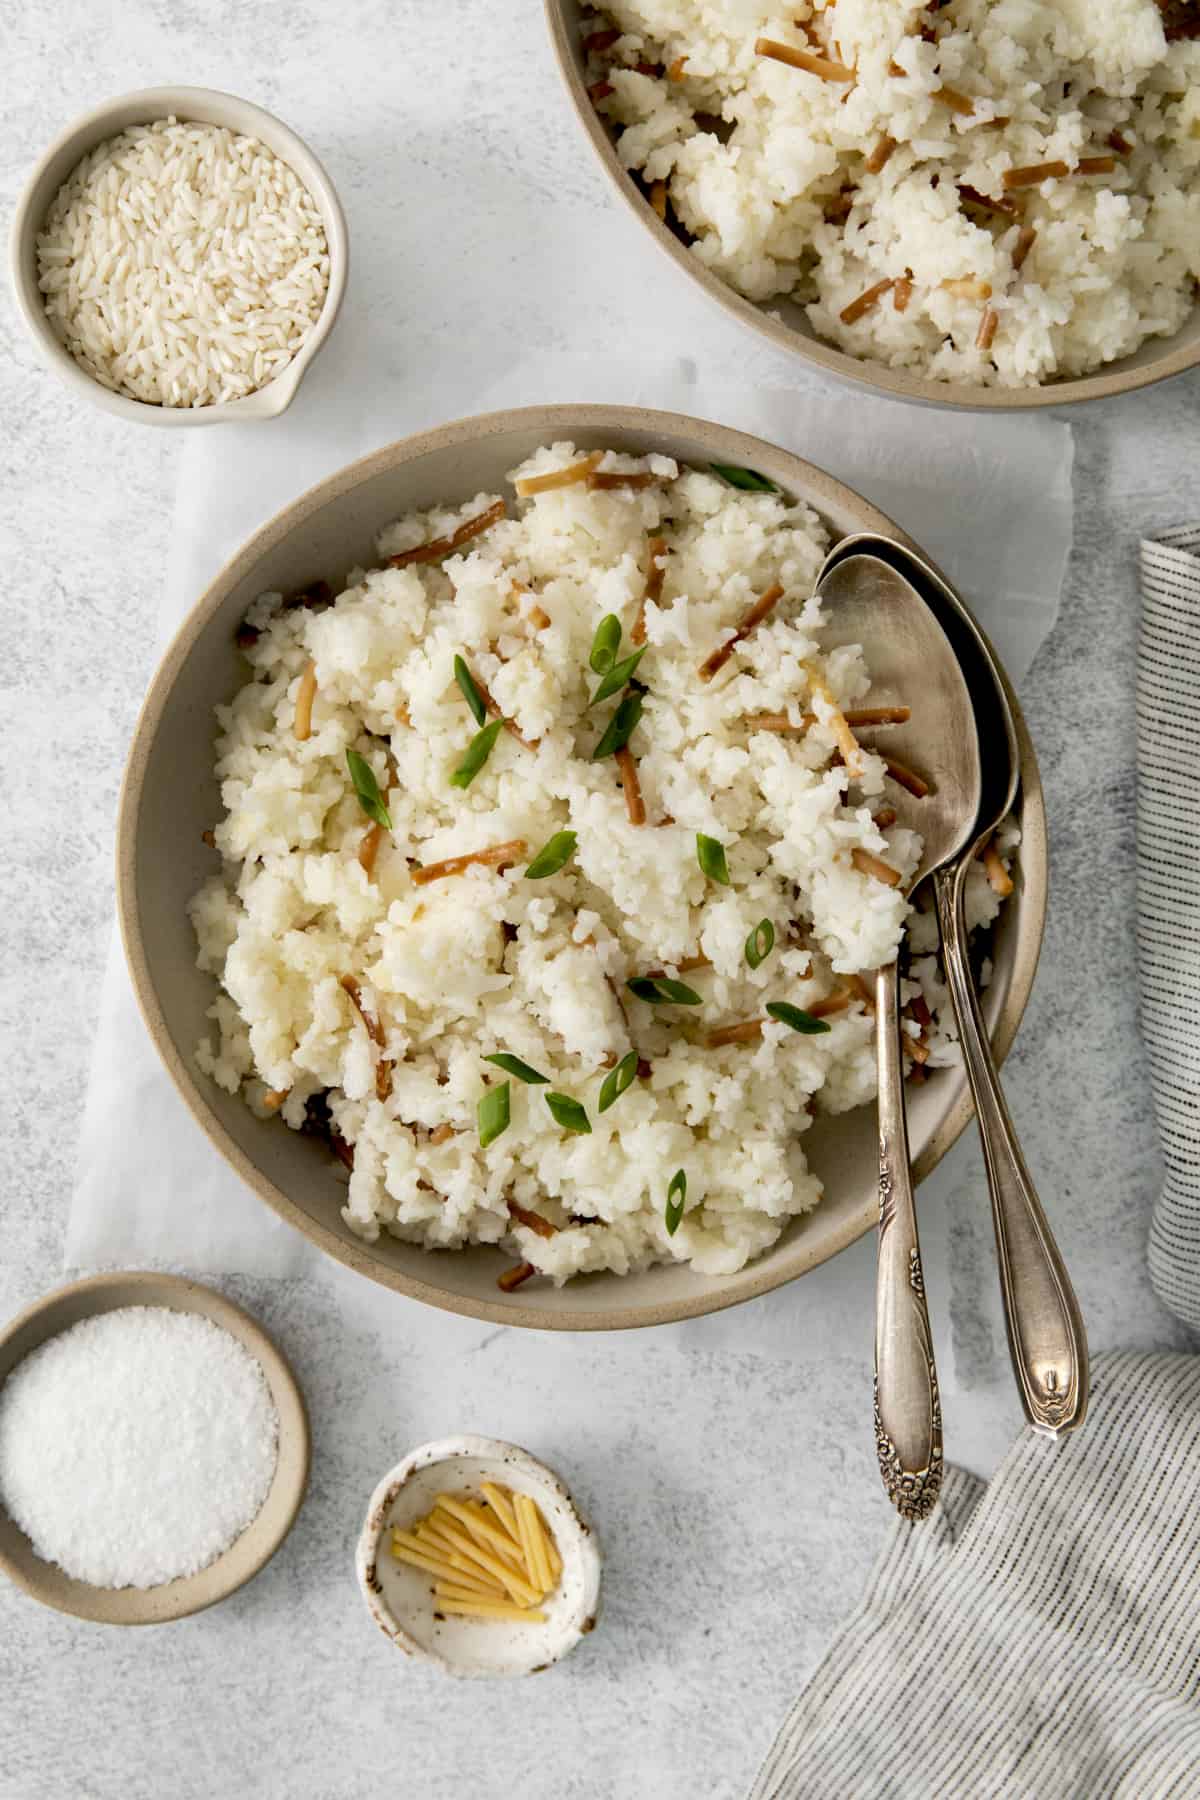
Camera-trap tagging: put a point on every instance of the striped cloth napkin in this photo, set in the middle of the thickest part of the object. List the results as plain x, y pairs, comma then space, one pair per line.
1036, 1639
1040, 1636
1168, 726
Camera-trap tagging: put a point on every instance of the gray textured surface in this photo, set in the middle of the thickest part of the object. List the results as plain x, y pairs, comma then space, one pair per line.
735, 1495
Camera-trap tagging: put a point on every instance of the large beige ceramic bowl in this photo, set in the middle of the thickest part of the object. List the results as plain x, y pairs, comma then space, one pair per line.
202, 106
170, 796
783, 324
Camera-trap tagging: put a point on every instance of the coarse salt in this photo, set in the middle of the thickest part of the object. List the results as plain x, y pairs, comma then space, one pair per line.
136, 1446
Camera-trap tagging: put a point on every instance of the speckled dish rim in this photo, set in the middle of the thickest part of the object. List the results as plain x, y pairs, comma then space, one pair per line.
46, 1582
580, 1546
1174, 357
718, 443
204, 106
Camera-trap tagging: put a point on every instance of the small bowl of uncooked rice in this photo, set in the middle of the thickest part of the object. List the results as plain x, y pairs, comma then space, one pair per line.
181, 255
990, 196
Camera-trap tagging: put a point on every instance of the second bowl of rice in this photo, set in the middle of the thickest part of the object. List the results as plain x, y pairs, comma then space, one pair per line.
980, 203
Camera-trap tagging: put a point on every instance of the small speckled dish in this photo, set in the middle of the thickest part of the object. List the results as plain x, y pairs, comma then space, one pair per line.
45, 1581
204, 106
400, 1599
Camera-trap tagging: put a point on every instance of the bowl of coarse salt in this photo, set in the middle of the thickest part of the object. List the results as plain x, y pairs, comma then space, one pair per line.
154, 1448
180, 256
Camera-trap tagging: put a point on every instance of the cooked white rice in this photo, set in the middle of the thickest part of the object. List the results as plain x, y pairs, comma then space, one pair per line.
488, 961
183, 264
1116, 254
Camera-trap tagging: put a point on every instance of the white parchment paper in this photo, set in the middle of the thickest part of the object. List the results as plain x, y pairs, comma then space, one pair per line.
990, 499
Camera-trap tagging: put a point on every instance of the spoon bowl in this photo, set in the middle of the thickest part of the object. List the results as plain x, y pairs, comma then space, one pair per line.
999, 751
913, 665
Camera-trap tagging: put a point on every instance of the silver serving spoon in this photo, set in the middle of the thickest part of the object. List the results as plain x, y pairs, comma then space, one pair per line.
912, 664
1046, 1336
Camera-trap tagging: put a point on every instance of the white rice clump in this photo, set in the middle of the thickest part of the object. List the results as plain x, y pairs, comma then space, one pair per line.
787, 207
183, 264
485, 961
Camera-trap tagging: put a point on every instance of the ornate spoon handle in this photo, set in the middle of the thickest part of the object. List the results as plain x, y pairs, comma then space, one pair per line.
1046, 1338
908, 1413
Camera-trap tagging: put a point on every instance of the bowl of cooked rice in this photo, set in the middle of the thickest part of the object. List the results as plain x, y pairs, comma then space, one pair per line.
502, 859
967, 204
180, 257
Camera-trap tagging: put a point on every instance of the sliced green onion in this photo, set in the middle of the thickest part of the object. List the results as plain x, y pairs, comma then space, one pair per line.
710, 854
749, 479
367, 789
471, 693
617, 676
478, 751
617, 1080
493, 1114
605, 644
796, 1017
760, 943
620, 727
512, 1065
660, 989
569, 1114
554, 853
676, 1198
